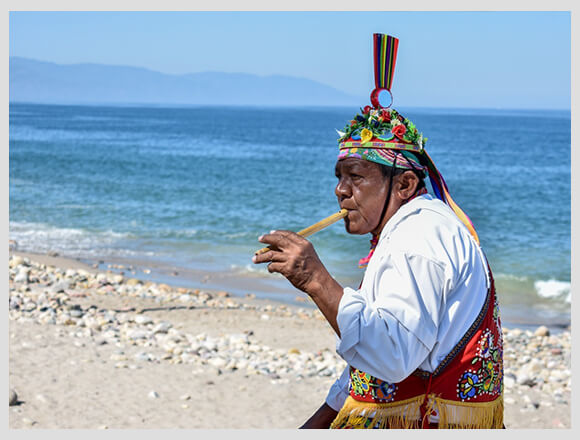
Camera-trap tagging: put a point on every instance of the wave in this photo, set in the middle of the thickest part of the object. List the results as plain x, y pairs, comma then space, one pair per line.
252, 270
554, 289
43, 238
510, 277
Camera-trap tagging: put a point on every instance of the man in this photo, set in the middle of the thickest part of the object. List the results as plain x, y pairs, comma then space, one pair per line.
422, 335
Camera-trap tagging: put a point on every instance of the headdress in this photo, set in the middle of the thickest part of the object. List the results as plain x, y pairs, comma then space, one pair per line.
381, 134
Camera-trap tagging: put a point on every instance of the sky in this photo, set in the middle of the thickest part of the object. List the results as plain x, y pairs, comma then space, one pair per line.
510, 60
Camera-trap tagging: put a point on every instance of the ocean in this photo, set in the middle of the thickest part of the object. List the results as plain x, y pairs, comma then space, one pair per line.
186, 192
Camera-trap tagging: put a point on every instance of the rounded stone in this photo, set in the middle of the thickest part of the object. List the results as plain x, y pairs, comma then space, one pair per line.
143, 319
535, 366
162, 327
542, 331
21, 276
76, 313
217, 362
16, 261
12, 398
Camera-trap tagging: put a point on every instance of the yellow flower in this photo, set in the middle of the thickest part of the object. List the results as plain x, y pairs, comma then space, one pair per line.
366, 135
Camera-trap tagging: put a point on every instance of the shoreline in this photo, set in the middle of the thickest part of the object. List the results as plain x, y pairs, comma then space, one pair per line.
272, 287
91, 349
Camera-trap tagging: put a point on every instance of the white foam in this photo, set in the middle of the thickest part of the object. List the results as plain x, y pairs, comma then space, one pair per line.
252, 270
40, 237
511, 277
553, 289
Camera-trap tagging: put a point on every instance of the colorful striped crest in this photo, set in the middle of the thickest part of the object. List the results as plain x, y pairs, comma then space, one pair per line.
385, 52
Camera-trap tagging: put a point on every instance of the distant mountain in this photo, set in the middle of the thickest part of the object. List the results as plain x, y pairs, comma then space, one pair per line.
43, 82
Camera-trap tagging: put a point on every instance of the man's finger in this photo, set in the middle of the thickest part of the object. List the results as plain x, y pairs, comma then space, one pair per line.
281, 239
290, 235
275, 239
268, 257
275, 267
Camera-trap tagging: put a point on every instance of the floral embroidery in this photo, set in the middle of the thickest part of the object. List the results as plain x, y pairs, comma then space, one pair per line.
488, 383
497, 318
488, 378
468, 385
485, 345
360, 382
386, 391
367, 386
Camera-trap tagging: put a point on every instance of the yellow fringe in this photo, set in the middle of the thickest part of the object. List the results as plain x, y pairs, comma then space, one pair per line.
406, 414
468, 415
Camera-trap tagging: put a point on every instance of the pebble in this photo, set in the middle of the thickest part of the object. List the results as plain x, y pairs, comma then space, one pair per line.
509, 382
21, 277
162, 327
16, 261
142, 319
142, 356
47, 295
153, 395
12, 398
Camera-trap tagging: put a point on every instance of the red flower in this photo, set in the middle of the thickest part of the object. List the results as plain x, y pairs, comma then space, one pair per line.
385, 115
367, 109
353, 122
399, 130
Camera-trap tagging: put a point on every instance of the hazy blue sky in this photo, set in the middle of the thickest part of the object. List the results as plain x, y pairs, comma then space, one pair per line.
446, 59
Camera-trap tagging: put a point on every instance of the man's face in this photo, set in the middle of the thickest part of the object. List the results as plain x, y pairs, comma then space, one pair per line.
362, 190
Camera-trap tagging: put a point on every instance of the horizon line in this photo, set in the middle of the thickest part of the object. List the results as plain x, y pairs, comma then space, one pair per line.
308, 106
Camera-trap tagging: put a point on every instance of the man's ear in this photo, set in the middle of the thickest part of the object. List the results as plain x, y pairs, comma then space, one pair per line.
407, 184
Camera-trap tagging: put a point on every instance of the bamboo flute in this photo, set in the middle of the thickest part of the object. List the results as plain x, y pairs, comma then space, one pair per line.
314, 228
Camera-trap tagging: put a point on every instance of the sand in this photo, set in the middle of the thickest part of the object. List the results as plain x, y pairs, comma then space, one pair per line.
67, 376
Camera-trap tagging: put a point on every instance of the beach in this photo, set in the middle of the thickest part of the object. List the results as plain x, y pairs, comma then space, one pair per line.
94, 349
151, 186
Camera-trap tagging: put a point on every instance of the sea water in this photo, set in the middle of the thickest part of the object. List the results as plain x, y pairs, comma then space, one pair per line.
193, 188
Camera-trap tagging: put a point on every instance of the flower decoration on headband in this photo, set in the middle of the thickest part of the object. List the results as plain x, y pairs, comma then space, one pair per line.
381, 125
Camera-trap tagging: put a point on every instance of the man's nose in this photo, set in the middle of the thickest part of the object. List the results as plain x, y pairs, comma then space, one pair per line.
342, 189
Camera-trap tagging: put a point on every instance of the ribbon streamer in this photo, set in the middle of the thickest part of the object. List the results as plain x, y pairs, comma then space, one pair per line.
442, 193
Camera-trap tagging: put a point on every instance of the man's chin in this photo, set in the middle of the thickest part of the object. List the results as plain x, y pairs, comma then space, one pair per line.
353, 229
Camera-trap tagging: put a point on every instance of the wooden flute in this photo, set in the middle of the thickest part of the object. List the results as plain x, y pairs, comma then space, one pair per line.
314, 228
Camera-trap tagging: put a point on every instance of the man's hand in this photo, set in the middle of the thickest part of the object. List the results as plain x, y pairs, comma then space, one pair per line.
294, 257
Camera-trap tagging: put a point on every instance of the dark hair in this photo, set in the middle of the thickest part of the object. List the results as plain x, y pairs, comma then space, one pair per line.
387, 171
